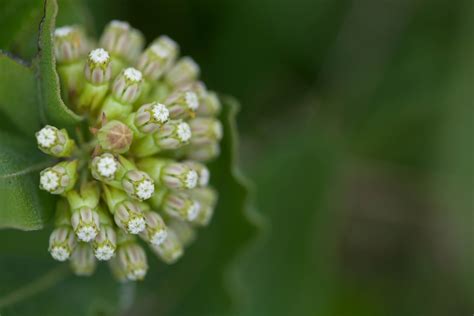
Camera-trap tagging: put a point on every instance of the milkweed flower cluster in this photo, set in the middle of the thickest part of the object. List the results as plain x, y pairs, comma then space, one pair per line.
137, 170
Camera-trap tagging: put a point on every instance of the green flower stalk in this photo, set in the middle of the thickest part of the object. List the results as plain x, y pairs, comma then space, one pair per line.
135, 165
97, 72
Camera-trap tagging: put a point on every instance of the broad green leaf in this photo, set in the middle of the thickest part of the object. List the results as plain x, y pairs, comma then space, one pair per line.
52, 106
201, 282
18, 102
23, 205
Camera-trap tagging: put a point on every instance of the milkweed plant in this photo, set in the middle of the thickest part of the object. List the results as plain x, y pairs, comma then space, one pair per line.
136, 175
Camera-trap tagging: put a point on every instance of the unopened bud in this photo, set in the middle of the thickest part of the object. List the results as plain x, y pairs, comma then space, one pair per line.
202, 172
170, 250
61, 243
83, 262
59, 178
129, 217
184, 231
184, 71
181, 206
156, 59
54, 142
182, 105
203, 153
105, 167
207, 198
209, 105
121, 40
173, 135
70, 44
105, 243
155, 231
132, 260
205, 130
138, 185
150, 117
126, 87
115, 137
85, 222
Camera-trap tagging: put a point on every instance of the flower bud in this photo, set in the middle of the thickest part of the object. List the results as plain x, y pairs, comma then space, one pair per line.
85, 222
59, 178
83, 262
203, 153
97, 70
202, 172
54, 142
184, 71
150, 117
170, 250
209, 105
123, 42
172, 135
173, 175
205, 130
126, 87
115, 137
61, 243
132, 260
105, 243
207, 198
182, 105
181, 206
156, 59
155, 231
129, 217
138, 185
70, 44
183, 230
105, 167
117, 270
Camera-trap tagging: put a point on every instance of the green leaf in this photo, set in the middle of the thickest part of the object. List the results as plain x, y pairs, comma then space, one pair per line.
24, 206
202, 282
18, 103
52, 106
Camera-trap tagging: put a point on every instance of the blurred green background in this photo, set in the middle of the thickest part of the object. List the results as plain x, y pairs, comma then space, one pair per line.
356, 128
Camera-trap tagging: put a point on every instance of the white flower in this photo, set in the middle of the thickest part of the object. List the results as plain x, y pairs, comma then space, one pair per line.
60, 253
99, 56
104, 253
145, 189
160, 113
86, 233
136, 225
194, 211
107, 166
46, 137
133, 74
49, 181
184, 132
159, 237
191, 100
191, 179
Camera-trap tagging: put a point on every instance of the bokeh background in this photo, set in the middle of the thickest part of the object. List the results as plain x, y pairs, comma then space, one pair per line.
356, 128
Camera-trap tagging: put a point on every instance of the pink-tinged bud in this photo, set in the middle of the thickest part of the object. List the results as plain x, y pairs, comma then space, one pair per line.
150, 117
129, 217
85, 222
61, 243
60, 178
70, 44
182, 104
54, 142
132, 260
138, 185
83, 262
202, 171
127, 86
181, 206
155, 231
205, 130
183, 72
170, 250
97, 69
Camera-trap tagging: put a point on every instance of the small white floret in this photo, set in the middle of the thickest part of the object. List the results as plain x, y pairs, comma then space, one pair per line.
60, 253
104, 253
145, 190
136, 225
107, 166
191, 100
133, 74
160, 113
159, 237
86, 233
46, 137
191, 179
184, 132
49, 180
99, 56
